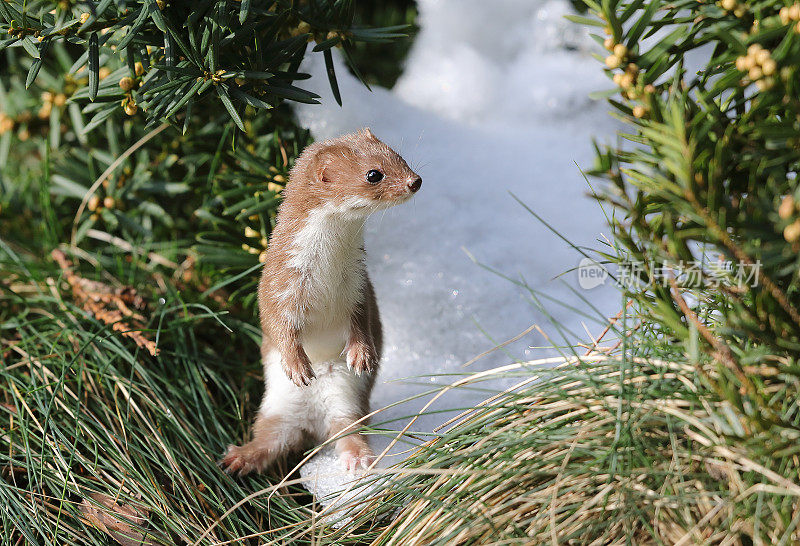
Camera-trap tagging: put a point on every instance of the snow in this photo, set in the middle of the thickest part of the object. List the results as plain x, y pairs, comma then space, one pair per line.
337, 489
493, 101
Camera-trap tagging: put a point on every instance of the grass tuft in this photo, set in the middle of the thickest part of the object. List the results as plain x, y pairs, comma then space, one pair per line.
101, 439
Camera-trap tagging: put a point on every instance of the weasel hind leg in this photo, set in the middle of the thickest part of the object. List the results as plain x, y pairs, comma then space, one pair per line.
352, 448
272, 438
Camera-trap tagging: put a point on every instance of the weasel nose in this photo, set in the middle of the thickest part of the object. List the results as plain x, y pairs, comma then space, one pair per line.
416, 184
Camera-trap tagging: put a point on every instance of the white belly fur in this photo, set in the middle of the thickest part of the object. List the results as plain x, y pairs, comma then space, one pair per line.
335, 393
325, 342
328, 256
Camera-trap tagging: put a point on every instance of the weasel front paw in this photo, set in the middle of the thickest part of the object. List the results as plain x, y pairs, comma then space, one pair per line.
361, 358
299, 371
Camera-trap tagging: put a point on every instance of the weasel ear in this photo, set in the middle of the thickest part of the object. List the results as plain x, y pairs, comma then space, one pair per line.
323, 164
320, 168
321, 173
368, 133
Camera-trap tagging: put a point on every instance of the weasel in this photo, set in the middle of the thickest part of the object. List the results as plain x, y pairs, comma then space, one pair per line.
322, 336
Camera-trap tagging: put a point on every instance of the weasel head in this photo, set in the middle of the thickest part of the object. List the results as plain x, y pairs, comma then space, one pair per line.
356, 173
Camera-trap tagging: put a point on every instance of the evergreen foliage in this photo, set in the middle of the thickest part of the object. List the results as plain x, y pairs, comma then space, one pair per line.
143, 150
203, 83
709, 178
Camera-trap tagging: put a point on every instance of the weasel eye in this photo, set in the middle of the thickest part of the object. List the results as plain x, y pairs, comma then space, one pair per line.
374, 176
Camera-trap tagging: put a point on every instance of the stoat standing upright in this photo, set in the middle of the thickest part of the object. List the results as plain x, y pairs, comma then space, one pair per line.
322, 334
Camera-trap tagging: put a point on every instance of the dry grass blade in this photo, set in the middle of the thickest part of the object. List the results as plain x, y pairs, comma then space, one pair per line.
602, 450
120, 521
118, 307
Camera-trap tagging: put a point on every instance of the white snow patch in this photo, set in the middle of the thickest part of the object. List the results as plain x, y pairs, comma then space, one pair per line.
508, 62
335, 488
494, 99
